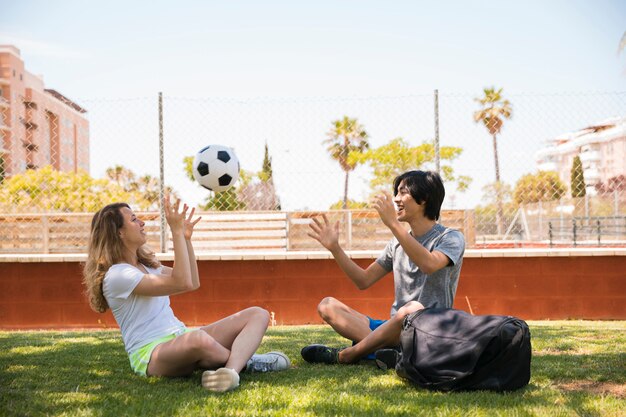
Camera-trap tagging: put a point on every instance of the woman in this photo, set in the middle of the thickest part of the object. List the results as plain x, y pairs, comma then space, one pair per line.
121, 273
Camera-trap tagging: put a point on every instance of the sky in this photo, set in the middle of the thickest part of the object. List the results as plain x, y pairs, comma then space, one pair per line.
247, 49
337, 48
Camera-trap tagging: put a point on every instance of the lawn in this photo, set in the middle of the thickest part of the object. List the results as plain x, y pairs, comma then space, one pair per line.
578, 369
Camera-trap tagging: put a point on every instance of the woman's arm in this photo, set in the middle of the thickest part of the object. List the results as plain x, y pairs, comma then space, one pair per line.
189, 225
179, 278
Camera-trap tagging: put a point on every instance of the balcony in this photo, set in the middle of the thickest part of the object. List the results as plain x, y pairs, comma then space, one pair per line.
548, 166
591, 156
30, 146
591, 175
28, 124
30, 105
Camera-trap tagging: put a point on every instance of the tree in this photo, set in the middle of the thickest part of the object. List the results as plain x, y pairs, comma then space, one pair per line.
262, 195
224, 201
352, 205
147, 186
2, 171
346, 135
614, 184
485, 213
577, 179
397, 156
542, 186
494, 108
48, 190
266, 173
622, 44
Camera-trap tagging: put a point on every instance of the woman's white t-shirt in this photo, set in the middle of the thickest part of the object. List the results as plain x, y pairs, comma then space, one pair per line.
142, 319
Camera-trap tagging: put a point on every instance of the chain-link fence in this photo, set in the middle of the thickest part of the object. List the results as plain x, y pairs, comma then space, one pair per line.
519, 169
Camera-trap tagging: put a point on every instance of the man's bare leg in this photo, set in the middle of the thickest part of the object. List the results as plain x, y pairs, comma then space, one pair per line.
388, 334
346, 321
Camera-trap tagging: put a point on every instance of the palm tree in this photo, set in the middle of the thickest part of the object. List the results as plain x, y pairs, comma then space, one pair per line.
494, 109
622, 43
346, 135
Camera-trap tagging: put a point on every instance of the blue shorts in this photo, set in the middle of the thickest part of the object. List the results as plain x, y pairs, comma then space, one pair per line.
374, 324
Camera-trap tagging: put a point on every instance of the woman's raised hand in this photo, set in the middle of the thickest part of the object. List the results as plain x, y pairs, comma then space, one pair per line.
189, 224
175, 218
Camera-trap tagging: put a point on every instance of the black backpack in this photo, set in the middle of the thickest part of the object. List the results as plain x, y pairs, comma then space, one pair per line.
450, 350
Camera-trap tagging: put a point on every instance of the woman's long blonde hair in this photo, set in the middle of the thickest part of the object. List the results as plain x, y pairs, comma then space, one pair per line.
106, 249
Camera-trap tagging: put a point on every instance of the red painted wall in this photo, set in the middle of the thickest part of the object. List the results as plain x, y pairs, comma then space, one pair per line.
50, 294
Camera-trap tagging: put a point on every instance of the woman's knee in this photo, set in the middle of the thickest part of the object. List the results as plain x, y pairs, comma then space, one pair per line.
202, 342
260, 314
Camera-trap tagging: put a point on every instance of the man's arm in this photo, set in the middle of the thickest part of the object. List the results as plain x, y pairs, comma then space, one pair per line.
328, 236
427, 261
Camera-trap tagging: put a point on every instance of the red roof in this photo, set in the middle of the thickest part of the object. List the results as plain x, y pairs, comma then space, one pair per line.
65, 100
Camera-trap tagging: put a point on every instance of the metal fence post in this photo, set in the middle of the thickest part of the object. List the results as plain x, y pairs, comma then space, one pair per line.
550, 233
437, 160
161, 177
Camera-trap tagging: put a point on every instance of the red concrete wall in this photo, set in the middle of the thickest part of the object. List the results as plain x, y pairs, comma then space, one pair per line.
50, 294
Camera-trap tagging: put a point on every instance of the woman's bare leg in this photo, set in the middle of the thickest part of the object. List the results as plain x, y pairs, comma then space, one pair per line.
186, 353
241, 334
229, 343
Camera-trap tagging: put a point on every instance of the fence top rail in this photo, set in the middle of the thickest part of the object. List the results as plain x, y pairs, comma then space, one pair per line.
235, 255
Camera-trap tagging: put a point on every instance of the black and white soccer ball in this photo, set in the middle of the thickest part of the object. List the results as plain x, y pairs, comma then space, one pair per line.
216, 168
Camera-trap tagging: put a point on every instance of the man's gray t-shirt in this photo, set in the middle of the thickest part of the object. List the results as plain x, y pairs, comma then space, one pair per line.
411, 284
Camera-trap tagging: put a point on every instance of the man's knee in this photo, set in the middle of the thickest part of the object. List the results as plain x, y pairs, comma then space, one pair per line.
408, 308
326, 307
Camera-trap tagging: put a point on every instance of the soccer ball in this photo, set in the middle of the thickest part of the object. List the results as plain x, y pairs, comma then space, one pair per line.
216, 168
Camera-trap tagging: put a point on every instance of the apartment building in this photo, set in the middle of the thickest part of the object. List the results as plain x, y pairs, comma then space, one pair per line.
38, 126
601, 148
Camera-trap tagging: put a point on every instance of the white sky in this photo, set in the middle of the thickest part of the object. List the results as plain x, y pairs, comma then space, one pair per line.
124, 49
323, 48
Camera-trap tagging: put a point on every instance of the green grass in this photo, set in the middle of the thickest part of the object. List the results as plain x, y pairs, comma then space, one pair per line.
578, 369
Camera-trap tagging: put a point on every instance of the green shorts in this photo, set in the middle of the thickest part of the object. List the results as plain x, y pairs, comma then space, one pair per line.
140, 358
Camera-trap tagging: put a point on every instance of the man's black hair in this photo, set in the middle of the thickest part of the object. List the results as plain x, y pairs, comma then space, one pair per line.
425, 187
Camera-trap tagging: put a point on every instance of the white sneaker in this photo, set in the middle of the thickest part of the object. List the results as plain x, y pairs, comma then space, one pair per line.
224, 379
268, 362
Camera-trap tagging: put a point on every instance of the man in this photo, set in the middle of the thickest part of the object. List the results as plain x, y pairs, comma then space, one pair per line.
425, 260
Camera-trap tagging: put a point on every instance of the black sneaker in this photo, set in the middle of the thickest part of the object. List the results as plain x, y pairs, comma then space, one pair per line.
320, 354
387, 358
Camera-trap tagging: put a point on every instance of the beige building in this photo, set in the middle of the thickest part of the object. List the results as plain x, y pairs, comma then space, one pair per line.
38, 126
602, 151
